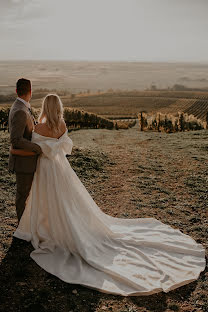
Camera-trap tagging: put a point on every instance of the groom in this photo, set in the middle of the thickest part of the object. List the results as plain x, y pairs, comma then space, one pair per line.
23, 153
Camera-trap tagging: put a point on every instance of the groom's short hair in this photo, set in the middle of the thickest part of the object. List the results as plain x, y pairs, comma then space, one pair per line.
23, 86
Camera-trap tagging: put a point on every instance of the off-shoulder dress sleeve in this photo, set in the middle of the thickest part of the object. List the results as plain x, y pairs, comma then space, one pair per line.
51, 147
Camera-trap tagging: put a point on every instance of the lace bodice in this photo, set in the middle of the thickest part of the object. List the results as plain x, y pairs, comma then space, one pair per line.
52, 146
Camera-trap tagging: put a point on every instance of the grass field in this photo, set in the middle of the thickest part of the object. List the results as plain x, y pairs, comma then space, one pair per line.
130, 174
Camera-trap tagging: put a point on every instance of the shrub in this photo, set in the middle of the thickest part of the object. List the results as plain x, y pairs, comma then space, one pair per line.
170, 123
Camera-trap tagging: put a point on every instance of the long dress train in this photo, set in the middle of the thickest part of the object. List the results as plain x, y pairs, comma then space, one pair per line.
77, 242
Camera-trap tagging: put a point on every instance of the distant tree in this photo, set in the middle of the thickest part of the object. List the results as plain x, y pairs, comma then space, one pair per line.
153, 87
158, 123
176, 125
72, 96
154, 124
142, 122
179, 87
182, 122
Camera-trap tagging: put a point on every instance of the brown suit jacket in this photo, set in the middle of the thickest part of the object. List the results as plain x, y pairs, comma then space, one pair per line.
21, 125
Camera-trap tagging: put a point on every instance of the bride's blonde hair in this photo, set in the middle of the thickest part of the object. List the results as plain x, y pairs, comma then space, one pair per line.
51, 112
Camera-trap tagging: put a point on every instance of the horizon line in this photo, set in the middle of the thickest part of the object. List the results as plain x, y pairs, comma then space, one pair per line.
105, 61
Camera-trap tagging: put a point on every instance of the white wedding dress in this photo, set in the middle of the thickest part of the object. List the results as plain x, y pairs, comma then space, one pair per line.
77, 242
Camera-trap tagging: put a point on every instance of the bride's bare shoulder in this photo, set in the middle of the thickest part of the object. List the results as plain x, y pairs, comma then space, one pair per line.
42, 129
63, 125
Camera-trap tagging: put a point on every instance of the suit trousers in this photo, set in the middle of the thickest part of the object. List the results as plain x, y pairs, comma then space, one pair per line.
24, 183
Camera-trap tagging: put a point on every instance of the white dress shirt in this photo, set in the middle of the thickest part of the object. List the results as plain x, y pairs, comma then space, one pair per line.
23, 101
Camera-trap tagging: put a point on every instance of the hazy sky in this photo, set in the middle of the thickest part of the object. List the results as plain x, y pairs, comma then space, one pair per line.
143, 30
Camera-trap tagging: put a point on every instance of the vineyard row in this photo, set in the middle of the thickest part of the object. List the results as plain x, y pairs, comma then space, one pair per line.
171, 123
75, 118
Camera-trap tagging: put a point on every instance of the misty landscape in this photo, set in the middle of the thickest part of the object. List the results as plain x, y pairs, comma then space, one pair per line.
74, 76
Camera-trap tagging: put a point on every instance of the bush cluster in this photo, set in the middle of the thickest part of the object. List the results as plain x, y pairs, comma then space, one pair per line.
170, 123
74, 118
4, 114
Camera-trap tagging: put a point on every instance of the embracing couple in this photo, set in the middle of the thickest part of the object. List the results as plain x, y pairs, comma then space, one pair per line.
24, 153
72, 238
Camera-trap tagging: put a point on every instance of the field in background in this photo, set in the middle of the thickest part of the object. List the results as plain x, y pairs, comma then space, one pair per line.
116, 105
113, 89
128, 104
79, 76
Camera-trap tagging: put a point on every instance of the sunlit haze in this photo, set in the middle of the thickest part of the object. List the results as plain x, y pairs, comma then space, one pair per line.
131, 30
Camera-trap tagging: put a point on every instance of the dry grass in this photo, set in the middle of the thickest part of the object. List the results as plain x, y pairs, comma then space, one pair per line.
130, 174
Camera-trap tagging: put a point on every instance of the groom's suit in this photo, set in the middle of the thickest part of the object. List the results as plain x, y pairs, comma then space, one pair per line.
21, 125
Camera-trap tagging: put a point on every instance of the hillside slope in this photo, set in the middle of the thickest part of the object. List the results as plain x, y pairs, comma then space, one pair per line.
130, 103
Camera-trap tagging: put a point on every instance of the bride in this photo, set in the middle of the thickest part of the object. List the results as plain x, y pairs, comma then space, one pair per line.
77, 242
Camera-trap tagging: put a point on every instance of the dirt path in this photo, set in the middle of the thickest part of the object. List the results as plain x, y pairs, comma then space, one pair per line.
148, 170
129, 174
